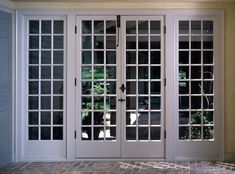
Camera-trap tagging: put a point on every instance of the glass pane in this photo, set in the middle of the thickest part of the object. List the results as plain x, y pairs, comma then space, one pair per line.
155, 133
58, 87
58, 57
110, 102
110, 133
58, 72
58, 102
45, 118
143, 87
183, 133
130, 57
208, 27
196, 102
208, 57
130, 133
111, 42
155, 27
58, 118
130, 102
155, 42
46, 42
86, 72
195, 57
196, 87
86, 103
33, 133
33, 27
130, 42
58, 27
131, 118
155, 103
208, 72
183, 87
143, 42
45, 72
110, 118
143, 118
86, 42
183, 42
98, 72
110, 87
183, 27
183, 72
98, 133
45, 102
195, 132
155, 88
196, 42
208, 42
33, 57
86, 27
143, 57
143, 103
183, 57
130, 72
110, 57
110, 27
98, 42
86, 57
196, 27
208, 102
111, 72
86, 87
46, 27
143, 133
98, 118
130, 27
98, 57
155, 57
45, 133
130, 87
86, 133
143, 72
33, 102
183, 117
98, 27
58, 42
57, 133
98, 87
155, 118
143, 27
33, 42
208, 117
183, 102
46, 57
86, 118
208, 87
33, 118
155, 72
98, 103
45, 87
208, 132
33, 87
195, 72
196, 117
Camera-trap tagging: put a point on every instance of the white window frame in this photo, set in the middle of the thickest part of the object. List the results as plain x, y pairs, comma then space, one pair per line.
170, 71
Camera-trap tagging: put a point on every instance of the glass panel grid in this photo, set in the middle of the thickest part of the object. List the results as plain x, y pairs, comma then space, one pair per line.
98, 81
46, 80
195, 81
143, 80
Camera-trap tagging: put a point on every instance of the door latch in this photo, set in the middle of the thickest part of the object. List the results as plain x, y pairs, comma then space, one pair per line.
122, 88
121, 100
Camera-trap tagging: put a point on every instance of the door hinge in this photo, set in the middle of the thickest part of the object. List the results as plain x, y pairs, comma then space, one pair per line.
75, 81
165, 134
75, 29
75, 134
118, 21
164, 29
164, 81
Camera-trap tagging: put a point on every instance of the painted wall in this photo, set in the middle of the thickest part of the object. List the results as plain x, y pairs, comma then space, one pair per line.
229, 48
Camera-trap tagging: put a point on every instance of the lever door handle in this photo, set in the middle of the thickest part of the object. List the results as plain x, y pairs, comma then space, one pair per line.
122, 88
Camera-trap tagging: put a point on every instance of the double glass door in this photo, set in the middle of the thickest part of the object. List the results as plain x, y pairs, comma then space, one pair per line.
120, 91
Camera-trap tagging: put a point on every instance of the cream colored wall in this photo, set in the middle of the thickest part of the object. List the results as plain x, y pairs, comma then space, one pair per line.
229, 47
6, 3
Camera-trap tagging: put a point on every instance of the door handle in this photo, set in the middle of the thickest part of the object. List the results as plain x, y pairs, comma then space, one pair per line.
122, 88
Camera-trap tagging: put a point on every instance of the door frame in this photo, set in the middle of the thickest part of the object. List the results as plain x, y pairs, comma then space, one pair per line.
71, 56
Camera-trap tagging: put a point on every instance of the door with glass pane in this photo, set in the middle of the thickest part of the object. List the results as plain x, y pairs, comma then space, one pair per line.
120, 111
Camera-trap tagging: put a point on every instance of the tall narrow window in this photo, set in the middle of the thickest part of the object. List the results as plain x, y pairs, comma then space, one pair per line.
196, 80
45, 79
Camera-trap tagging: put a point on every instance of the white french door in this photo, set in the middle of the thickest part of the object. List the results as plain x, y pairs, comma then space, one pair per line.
120, 92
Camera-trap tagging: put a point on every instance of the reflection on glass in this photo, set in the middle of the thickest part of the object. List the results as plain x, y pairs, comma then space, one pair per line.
98, 133
183, 87
86, 72
46, 27
86, 118
208, 27
155, 42
86, 27
196, 42
98, 72
143, 103
130, 42
196, 27
143, 27
208, 87
183, 27
183, 42
143, 42
110, 87
111, 72
131, 118
208, 42
98, 87
183, 117
130, 102
208, 102
33, 27
110, 102
130, 27
208, 117
98, 27
196, 117
183, 72
98, 103
183, 132
86, 42
143, 133
155, 118
86, 87
143, 118
98, 42
208, 132
86, 133
98, 118
110, 27
195, 132
110, 42
58, 27
155, 27
208, 72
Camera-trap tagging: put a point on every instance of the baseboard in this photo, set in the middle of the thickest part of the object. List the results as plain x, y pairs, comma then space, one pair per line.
230, 156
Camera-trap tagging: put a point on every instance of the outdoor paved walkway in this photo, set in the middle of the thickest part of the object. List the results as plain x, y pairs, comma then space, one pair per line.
120, 167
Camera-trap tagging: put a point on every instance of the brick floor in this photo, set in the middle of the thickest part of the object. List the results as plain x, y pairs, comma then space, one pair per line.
120, 167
